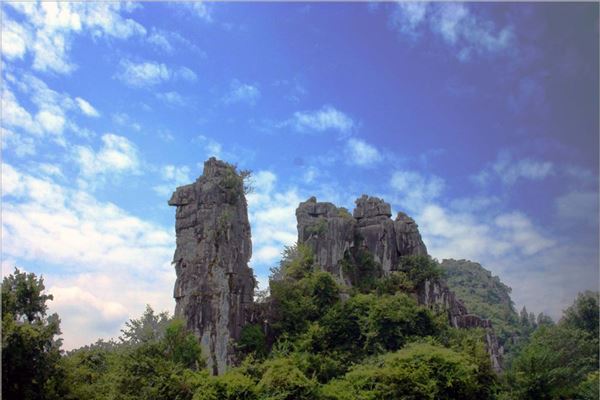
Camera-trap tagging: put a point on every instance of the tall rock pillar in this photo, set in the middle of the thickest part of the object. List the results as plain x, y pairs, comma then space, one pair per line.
215, 287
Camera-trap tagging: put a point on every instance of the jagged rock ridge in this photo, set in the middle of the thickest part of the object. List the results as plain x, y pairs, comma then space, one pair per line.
214, 290
331, 232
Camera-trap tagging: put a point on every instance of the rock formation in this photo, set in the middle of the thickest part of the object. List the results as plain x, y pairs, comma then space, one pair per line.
215, 287
332, 233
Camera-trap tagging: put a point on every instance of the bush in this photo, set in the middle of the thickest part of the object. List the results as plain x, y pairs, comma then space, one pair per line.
282, 380
419, 371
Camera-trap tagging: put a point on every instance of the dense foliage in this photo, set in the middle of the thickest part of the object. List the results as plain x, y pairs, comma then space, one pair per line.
325, 341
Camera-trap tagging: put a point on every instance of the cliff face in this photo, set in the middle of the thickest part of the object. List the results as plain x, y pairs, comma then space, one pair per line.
331, 232
215, 287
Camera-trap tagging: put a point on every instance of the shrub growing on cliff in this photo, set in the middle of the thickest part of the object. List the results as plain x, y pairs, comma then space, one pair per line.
361, 269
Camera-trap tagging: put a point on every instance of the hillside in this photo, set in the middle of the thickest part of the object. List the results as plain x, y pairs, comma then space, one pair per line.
483, 294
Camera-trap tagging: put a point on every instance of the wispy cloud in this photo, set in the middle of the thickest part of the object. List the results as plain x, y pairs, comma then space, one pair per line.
143, 74
455, 24
362, 153
200, 10
151, 73
509, 171
49, 114
240, 92
324, 119
124, 120
116, 155
171, 98
49, 28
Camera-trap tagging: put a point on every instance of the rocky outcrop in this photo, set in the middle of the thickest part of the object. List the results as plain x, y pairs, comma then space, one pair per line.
214, 289
328, 230
332, 233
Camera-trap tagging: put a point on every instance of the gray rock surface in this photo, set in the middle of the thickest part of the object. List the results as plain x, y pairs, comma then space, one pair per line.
331, 231
215, 287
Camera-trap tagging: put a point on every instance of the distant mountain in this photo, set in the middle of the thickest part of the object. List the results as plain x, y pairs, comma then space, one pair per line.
483, 294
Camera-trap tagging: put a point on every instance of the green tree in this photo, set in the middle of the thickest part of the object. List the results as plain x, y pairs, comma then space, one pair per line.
30, 349
583, 314
558, 361
148, 327
161, 369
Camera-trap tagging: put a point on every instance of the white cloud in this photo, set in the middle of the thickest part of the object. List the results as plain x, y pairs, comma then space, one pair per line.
48, 29
143, 74
172, 98
516, 228
50, 120
361, 153
457, 235
49, 115
117, 155
87, 108
104, 264
242, 93
14, 39
327, 118
20, 145
273, 220
414, 189
455, 24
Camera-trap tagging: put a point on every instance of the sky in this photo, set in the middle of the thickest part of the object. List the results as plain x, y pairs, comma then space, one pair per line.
478, 120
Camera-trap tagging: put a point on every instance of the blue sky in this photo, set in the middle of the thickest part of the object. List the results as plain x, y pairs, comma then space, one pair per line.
479, 120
